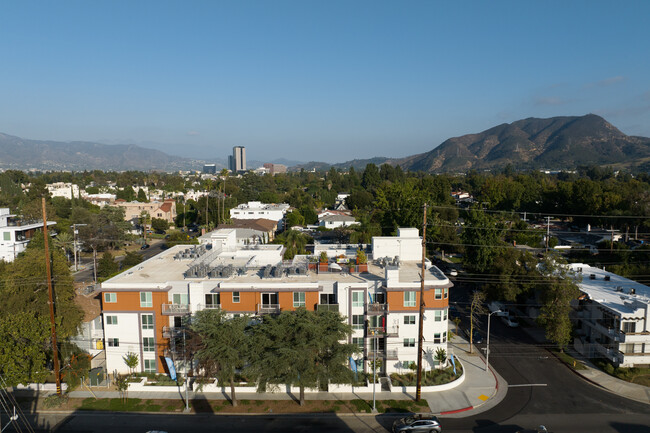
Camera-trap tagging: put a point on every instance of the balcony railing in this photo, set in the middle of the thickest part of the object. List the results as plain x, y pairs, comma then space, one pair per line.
175, 309
209, 307
388, 331
327, 307
389, 355
268, 308
171, 331
375, 309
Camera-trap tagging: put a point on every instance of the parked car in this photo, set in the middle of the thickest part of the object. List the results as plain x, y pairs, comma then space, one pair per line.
453, 272
477, 338
417, 423
453, 311
510, 321
145, 246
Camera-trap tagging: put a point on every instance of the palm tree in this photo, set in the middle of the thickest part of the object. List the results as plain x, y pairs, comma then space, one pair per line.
65, 242
294, 242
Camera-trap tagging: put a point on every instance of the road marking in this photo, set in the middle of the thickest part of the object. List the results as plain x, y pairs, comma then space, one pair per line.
527, 384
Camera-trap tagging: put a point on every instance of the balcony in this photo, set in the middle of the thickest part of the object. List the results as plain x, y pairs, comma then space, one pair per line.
175, 309
268, 308
389, 355
171, 332
97, 333
388, 331
377, 309
327, 307
209, 307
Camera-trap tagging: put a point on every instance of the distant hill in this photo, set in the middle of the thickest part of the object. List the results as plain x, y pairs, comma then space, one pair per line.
554, 143
23, 154
358, 164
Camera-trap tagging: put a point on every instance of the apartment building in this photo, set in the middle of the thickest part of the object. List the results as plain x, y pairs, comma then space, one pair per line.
255, 210
156, 209
15, 234
611, 317
144, 307
237, 161
63, 189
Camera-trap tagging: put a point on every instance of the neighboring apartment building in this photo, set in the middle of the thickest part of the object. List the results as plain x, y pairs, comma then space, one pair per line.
133, 209
101, 200
143, 308
62, 189
256, 210
275, 168
611, 318
335, 221
15, 234
264, 228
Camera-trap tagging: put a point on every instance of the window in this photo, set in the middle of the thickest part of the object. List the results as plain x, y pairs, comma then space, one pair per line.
110, 298
145, 300
409, 320
444, 337
147, 321
235, 297
147, 344
444, 316
150, 365
6, 236
357, 299
409, 299
357, 321
409, 342
298, 299
180, 299
446, 293
358, 341
111, 320
629, 327
438, 315
438, 293
113, 342
407, 364
436, 337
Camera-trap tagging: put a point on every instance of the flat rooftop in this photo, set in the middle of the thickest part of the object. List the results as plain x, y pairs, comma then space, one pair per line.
608, 289
248, 268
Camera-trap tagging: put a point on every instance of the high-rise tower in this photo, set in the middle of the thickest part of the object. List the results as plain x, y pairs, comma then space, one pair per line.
237, 161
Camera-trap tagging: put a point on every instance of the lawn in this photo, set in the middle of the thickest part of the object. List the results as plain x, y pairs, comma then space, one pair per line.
640, 376
200, 405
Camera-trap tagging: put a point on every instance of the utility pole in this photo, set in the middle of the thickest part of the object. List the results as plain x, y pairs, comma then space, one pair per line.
611, 240
418, 390
548, 231
55, 350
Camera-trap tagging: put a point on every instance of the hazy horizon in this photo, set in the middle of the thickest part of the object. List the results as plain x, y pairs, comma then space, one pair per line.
315, 81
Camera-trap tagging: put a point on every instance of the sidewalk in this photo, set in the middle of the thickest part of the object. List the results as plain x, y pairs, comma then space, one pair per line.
597, 377
480, 391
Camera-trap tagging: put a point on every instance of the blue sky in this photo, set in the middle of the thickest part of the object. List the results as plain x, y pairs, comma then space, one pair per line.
315, 80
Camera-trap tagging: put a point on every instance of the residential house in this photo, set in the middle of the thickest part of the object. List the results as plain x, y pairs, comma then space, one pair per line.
143, 308
133, 210
263, 228
63, 189
255, 210
335, 221
101, 200
15, 234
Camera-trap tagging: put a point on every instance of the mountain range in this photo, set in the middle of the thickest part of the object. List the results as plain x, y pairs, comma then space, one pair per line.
553, 143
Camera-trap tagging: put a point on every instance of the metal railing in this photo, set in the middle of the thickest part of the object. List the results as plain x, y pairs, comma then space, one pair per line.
388, 354
388, 331
268, 308
327, 307
376, 308
208, 307
175, 309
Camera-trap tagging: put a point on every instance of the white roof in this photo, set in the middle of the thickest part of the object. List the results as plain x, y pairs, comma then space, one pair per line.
617, 293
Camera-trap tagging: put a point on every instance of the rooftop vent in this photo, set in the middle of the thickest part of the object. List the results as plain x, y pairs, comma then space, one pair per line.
607, 278
592, 276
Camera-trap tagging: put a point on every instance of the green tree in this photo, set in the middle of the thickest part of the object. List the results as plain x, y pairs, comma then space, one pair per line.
557, 292
131, 359
294, 218
24, 340
481, 237
159, 224
107, 266
370, 178
130, 259
301, 348
142, 196
440, 356
24, 288
294, 243
223, 345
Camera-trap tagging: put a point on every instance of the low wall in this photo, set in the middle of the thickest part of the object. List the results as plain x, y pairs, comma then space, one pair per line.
41, 387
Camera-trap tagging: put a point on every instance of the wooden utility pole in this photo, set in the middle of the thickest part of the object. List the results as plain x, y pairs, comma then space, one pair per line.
418, 389
55, 350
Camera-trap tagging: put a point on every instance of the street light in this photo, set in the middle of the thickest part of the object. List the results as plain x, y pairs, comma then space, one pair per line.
487, 349
74, 243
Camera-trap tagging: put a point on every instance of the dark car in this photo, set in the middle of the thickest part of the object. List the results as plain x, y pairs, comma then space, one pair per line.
145, 246
417, 423
477, 338
453, 311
